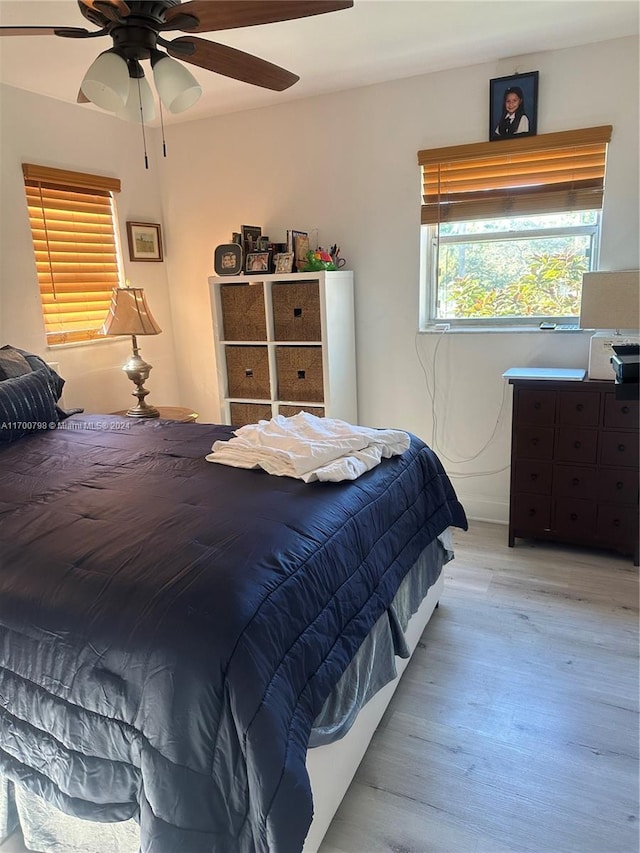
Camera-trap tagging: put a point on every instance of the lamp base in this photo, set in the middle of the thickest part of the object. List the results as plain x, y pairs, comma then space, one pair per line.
143, 411
138, 370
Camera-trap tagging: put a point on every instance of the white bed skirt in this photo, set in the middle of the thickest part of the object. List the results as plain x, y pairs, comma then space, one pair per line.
331, 769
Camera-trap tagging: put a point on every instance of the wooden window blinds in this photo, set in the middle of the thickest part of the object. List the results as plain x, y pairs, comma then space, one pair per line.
72, 226
548, 173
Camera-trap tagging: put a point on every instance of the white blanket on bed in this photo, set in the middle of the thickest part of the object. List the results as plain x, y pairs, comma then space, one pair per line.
309, 448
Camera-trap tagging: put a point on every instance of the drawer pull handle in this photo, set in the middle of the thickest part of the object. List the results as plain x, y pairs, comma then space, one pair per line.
616, 522
625, 410
575, 481
622, 448
537, 405
619, 485
573, 516
297, 312
577, 445
248, 373
534, 477
532, 512
579, 407
534, 441
302, 374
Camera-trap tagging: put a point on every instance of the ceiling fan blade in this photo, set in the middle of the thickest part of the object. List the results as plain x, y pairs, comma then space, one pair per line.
43, 31
215, 15
233, 63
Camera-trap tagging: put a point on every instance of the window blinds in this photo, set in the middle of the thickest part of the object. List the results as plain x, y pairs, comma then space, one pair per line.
548, 173
72, 226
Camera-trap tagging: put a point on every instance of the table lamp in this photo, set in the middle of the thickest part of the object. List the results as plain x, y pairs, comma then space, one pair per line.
129, 314
610, 300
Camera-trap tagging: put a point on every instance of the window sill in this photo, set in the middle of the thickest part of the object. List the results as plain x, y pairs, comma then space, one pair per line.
101, 341
491, 330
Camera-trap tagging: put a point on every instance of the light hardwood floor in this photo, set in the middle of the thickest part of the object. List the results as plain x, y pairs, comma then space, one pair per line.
515, 726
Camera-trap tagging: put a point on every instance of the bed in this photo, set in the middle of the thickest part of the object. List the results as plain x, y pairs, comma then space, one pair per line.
174, 634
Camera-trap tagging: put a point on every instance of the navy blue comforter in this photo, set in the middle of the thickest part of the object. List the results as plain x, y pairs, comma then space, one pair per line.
170, 628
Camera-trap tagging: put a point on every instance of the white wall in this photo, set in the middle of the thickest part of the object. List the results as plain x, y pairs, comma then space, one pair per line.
41, 130
346, 165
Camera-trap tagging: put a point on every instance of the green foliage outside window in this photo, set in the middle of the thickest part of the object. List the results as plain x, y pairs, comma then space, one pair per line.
547, 285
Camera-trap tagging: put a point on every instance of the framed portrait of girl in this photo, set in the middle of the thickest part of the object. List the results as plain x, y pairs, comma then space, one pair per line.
513, 106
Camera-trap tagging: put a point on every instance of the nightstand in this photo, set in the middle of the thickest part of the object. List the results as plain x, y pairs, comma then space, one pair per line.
169, 413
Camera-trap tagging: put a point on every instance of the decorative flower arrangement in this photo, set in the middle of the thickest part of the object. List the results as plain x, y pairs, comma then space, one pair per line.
318, 260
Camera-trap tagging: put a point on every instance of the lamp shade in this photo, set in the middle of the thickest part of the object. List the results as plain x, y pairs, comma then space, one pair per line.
138, 99
129, 314
106, 83
610, 300
176, 85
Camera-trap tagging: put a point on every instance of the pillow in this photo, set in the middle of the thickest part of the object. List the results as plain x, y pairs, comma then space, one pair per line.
26, 406
12, 363
37, 363
20, 362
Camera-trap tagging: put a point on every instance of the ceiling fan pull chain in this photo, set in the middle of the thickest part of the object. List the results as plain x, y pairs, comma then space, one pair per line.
144, 136
164, 143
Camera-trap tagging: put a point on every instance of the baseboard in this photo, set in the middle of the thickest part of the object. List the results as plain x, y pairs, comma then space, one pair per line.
478, 510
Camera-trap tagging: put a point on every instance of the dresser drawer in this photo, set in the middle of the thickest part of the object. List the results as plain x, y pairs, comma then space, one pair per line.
580, 408
620, 414
619, 449
575, 519
534, 476
531, 513
572, 481
618, 525
619, 486
536, 406
533, 442
576, 445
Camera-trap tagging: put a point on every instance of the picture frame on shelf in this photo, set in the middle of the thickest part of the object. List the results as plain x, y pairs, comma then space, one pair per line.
284, 262
291, 239
257, 262
301, 247
513, 106
250, 235
227, 259
145, 241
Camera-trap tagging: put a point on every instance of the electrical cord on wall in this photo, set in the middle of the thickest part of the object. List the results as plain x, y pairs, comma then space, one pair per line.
431, 392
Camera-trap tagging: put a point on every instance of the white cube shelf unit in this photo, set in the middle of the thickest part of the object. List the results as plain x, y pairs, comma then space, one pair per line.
285, 343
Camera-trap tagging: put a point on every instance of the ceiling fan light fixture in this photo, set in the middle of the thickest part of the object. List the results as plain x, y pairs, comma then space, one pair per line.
176, 85
106, 83
137, 99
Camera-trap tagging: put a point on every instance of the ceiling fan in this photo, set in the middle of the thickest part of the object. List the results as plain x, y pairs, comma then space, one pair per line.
115, 81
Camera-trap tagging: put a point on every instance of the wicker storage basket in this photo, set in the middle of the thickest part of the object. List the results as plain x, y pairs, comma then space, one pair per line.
288, 411
300, 374
249, 413
248, 372
296, 311
243, 317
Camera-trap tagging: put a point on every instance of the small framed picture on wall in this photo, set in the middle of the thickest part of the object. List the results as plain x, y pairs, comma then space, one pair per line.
513, 106
145, 241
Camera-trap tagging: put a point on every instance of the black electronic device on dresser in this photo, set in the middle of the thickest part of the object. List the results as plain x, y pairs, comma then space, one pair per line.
574, 464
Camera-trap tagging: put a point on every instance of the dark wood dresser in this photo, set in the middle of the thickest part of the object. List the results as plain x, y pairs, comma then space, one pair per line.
574, 464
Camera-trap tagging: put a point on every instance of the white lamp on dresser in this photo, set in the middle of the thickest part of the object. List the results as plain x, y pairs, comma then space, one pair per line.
610, 303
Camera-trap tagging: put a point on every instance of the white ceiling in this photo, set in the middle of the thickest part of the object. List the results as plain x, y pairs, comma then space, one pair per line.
375, 41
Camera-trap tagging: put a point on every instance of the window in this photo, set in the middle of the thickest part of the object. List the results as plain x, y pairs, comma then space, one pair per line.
72, 225
509, 228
